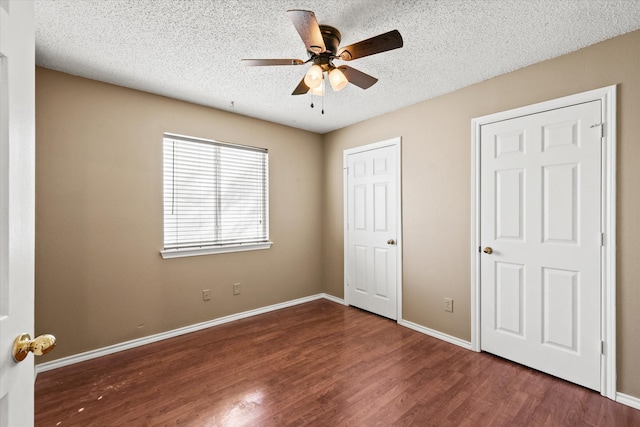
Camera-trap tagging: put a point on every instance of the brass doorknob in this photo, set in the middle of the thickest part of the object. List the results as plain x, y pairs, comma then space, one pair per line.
391, 242
23, 344
487, 250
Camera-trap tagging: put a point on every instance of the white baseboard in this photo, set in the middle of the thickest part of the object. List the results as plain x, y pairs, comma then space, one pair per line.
334, 299
433, 333
625, 399
92, 354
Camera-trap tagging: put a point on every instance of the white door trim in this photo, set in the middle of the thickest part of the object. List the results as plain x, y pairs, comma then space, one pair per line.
608, 196
392, 142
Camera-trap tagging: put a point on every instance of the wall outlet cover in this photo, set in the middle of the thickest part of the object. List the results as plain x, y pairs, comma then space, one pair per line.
448, 305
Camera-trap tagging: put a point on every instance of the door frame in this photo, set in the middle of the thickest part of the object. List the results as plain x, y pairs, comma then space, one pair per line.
392, 142
607, 95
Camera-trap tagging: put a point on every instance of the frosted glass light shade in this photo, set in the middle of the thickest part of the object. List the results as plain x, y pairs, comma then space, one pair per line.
314, 77
337, 79
317, 91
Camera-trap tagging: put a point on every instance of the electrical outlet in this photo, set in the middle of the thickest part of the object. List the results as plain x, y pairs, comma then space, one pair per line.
448, 304
236, 288
206, 296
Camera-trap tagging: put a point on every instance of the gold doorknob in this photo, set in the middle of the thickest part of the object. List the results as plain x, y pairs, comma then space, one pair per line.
487, 250
391, 242
23, 344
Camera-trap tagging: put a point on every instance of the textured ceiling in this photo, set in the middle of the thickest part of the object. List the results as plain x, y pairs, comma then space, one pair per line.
191, 49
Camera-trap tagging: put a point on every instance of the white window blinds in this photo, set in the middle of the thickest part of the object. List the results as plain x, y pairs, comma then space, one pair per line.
215, 194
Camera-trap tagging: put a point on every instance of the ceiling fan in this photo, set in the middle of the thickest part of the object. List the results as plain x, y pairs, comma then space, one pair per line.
322, 43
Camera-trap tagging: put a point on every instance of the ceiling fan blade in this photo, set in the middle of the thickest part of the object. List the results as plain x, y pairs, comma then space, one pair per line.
254, 62
380, 43
301, 89
308, 28
358, 78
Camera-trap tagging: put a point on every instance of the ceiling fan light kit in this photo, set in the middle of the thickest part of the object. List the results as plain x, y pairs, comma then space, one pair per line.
322, 42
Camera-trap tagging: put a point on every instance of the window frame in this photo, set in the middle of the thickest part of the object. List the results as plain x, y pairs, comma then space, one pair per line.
168, 253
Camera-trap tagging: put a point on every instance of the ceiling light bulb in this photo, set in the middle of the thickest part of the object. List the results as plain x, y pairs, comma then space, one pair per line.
314, 76
337, 79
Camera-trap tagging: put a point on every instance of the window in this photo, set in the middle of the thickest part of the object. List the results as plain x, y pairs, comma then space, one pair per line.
216, 197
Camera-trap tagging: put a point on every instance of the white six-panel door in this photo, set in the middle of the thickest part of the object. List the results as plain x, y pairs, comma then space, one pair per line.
372, 187
540, 237
17, 207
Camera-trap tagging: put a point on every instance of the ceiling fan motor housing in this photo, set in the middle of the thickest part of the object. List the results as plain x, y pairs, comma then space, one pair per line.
331, 37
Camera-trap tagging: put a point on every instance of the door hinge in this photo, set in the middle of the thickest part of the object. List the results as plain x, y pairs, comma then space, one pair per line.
346, 169
601, 347
601, 125
601, 239
479, 249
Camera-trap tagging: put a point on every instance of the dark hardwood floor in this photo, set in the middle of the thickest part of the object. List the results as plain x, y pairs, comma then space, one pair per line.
319, 364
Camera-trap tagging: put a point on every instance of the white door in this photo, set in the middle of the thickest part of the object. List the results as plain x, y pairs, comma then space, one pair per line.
372, 228
541, 240
17, 206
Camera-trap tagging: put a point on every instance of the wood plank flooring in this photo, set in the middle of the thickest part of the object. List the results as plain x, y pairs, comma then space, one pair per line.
319, 364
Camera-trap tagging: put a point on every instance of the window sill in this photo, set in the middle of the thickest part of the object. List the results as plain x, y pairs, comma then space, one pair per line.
210, 250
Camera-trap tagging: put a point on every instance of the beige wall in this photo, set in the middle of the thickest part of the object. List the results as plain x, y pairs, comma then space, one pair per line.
99, 273
436, 180
99, 223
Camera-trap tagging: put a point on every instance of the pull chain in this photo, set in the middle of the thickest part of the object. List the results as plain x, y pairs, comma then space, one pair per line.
322, 93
